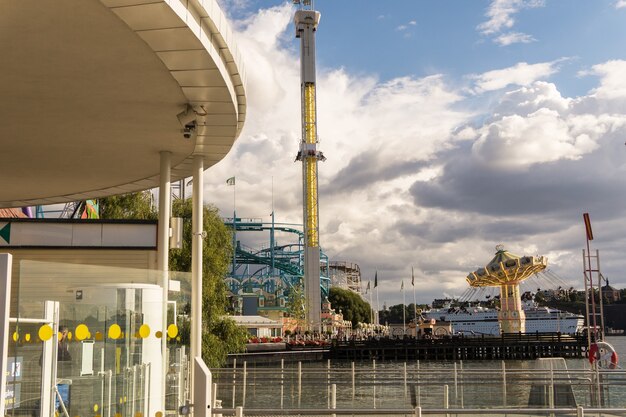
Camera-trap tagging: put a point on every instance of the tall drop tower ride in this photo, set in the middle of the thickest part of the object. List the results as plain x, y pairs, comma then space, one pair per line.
306, 20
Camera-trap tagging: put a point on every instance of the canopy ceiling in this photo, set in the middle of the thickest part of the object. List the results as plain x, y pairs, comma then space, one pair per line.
91, 91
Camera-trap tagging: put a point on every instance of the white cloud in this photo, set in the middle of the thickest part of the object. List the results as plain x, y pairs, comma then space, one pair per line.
536, 125
620, 4
513, 37
520, 74
612, 80
500, 14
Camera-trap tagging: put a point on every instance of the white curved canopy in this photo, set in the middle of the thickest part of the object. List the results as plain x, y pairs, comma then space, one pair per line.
91, 91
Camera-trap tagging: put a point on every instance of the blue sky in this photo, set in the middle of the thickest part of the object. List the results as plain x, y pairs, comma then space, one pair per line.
449, 127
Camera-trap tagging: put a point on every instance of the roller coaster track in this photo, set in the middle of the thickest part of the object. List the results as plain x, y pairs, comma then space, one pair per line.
246, 255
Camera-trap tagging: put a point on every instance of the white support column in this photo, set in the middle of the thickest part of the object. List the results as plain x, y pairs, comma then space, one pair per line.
6, 261
165, 196
196, 263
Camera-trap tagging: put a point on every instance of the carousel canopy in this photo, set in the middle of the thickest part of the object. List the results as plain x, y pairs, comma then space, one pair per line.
506, 268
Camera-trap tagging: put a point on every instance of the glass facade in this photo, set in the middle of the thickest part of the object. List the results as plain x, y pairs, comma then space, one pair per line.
90, 341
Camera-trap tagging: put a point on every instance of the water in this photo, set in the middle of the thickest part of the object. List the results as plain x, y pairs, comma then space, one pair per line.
430, 384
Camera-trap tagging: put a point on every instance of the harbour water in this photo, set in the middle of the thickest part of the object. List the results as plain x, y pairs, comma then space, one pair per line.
430, 384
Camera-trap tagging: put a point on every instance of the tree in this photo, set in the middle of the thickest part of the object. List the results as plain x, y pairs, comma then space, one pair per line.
128, 206
296, 304
353, 307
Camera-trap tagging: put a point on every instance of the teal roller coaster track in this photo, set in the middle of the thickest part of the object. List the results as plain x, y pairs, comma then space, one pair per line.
273, 268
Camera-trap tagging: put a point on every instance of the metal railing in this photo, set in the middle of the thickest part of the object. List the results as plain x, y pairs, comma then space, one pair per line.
418, 412
456, 385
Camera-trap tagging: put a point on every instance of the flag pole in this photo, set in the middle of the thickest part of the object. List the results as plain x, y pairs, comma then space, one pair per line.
414, 300
403, 310
232, 181
376, 318
369, 290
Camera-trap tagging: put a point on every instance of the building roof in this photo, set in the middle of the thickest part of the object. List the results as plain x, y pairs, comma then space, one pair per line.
11, 213
91, 91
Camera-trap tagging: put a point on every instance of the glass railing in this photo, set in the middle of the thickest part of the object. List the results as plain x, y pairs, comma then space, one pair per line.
103, 326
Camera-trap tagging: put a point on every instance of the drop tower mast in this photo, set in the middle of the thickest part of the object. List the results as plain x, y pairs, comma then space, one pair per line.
306, 20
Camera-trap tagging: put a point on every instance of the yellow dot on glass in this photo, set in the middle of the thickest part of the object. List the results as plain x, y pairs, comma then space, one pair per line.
115, 331
158, 414
172, 330
118, 414
158, 334
27, 337
144, 331
95, 408
16, 336
45, 332
98, 336
82, 332
69, 336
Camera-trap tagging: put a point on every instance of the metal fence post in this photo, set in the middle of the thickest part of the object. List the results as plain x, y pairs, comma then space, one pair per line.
503, 384
299, 383
353, 383
282, 383
245, 379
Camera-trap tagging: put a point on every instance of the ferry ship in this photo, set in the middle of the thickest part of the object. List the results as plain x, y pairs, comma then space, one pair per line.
478, 320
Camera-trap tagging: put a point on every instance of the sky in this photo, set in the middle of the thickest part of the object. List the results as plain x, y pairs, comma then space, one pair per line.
449, 127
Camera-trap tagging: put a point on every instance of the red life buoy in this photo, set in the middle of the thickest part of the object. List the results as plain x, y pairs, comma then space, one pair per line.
604, 354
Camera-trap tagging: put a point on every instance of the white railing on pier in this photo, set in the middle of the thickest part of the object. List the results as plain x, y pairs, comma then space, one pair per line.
427, 385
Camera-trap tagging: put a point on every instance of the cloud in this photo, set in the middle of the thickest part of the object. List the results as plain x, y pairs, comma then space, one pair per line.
620, 4
612, 80
521, 74
513, 37
500, 14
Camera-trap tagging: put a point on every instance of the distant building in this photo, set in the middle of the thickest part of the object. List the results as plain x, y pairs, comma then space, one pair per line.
610, 294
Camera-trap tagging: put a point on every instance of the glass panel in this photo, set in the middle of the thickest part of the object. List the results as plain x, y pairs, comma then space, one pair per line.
109, 344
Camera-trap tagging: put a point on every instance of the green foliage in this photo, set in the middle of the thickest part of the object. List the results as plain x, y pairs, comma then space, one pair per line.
224, 336
398, 312
296, 305
220, 334
128, 206
353, 307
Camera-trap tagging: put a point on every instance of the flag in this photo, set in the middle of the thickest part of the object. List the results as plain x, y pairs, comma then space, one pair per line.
376, 279
412, 277
402, 285
230, 181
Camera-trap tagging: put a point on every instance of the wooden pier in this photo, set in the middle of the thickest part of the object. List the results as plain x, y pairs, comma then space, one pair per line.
506, 346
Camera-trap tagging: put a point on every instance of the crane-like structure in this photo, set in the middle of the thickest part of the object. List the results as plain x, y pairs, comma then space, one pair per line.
306, 20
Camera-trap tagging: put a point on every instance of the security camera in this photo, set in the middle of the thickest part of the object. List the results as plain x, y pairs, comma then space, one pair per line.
189, 129
187, 116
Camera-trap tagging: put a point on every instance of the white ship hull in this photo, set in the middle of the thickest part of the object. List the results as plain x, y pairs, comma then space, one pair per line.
479, 320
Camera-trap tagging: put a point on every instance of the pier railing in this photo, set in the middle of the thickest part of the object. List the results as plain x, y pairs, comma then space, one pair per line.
458, 385
418, 412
